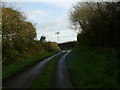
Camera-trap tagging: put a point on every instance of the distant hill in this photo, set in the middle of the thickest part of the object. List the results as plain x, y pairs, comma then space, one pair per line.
67, 45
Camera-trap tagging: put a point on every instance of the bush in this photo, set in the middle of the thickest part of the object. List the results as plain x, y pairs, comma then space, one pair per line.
10, 57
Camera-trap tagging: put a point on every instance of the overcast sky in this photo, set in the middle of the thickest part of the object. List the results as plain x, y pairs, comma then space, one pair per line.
51, 17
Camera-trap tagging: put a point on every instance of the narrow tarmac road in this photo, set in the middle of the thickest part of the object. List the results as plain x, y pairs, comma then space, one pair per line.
25, 79
62, 75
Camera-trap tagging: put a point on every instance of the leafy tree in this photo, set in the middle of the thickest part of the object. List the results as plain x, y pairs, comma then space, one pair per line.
17, 34
99, 23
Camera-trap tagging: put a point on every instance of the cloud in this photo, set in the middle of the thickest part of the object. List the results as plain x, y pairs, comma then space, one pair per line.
65, 5
32, 15
53, 25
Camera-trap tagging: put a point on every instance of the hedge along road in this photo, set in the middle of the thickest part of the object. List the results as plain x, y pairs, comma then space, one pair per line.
25, 78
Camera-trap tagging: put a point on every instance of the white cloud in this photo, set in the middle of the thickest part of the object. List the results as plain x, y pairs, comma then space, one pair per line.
54, 25
65, 5
35, 13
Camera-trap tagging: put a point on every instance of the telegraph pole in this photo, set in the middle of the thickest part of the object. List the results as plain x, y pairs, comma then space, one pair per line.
57, 35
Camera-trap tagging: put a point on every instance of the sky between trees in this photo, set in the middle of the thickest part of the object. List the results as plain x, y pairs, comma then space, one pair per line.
49, 17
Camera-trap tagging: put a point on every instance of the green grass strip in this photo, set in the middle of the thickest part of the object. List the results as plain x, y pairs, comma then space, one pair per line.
44, 79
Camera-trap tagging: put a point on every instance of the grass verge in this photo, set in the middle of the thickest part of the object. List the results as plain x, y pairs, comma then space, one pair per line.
94, 67
44, 79
24, 61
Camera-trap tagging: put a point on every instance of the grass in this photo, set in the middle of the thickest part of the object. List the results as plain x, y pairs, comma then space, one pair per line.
44, 79
24, 61
94, 67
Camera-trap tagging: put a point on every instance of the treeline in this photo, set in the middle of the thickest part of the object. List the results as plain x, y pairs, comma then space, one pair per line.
99, 22
18, 37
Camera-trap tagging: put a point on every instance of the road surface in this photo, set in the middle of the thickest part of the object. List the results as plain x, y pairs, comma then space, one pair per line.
26, 78
62, 75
